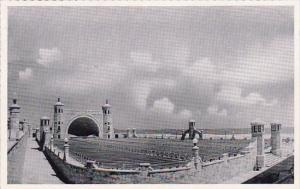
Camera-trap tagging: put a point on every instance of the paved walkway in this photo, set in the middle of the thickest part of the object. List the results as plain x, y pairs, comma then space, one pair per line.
37, 169
270, 162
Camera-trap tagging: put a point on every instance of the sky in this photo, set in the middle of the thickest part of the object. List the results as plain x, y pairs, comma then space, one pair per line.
158, 66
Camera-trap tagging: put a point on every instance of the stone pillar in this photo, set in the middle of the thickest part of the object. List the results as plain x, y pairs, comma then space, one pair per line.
196, 153
191, 129
29, 129
20, 129
66, 150
37, 131
134, 133
232, 137
41, 129
108, 129
58, 121
145, 168
52, 144
14, 120
276, 139
225, 157
257, 131
128, 133
45, 132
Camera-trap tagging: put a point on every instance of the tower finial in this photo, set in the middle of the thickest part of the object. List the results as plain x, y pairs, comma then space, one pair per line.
15, 98
58, 99
106, 101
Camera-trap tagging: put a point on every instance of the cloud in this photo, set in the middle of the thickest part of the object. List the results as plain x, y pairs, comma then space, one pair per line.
142, 89
233, 95
163, 105
185, 114
263, 64
26, 74
214, 110
203, 71
141, 92
48, 56
90, 77
143, 61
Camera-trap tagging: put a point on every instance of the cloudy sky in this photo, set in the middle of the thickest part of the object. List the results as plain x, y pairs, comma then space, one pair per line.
159, 66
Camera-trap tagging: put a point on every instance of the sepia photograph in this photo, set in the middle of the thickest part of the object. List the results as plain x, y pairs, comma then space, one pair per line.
148, 93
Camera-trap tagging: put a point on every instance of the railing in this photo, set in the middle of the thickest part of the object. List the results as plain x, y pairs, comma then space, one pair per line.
181, 159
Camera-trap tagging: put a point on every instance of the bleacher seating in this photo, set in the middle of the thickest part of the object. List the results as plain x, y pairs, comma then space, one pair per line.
160, 153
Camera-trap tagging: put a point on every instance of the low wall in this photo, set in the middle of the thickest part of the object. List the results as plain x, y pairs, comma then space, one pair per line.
216, 171
15, 161
213, 172
80, 175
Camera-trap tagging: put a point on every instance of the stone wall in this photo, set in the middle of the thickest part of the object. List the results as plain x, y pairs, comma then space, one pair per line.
15, 161
216, 171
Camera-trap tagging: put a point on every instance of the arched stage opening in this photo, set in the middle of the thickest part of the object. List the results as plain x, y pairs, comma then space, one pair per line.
83, 126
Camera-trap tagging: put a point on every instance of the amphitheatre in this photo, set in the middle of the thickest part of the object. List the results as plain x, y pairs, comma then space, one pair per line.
84, 147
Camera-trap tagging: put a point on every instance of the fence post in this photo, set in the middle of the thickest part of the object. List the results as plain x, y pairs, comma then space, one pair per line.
66, 150
195, 150
51, 144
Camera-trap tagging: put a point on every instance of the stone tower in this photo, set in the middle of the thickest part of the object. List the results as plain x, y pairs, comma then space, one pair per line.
45, 134
276, 139
108, 129
58, 119
14, 119
192, 124
257, 131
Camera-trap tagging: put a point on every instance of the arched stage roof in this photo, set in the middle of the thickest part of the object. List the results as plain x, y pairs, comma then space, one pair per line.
83, 126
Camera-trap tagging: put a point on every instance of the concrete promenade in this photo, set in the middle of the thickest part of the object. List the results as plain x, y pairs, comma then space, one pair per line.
270, 161
37, 169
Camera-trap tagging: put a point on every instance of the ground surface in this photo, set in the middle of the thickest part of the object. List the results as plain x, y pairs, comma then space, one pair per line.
37, 169
280, 173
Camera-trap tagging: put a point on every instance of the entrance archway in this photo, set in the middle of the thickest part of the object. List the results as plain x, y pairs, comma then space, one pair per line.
83, 126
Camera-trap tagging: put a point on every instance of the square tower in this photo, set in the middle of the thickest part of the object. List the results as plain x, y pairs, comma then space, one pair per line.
108, 129
14, 120
58, 122
44, 132
257, 132
276, 139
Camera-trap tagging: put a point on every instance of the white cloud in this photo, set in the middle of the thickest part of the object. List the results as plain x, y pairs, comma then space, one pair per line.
141, 92
233, 95
186, 114
254, 98
214, 110
88, 77
143, 61
230, 94
48, 56
26, 74
201, 72
163, 105
263, 64
142, 89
